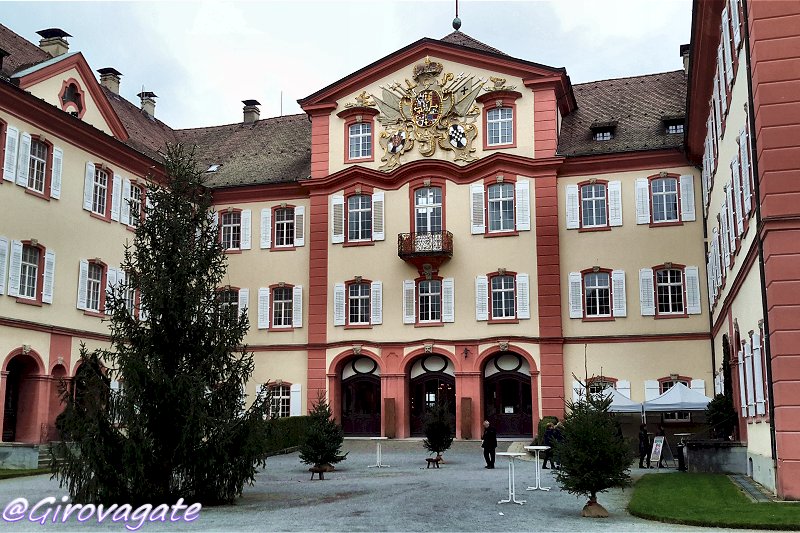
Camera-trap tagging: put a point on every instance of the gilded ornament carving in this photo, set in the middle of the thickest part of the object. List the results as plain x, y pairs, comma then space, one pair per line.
499, 84
429, 113
362, 100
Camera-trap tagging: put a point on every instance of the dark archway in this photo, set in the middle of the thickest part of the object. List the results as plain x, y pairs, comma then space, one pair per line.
432, 382
361, 397
507, 400
19, 413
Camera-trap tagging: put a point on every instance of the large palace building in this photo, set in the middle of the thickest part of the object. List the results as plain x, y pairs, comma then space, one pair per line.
447, 224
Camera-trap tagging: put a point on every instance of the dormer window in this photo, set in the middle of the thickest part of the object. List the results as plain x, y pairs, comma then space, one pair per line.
602, 135
603, 131
213, 168
673, 125
675, 128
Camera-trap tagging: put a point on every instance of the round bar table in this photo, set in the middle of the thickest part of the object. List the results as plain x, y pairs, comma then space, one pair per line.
536, 450
378, 463
512, 489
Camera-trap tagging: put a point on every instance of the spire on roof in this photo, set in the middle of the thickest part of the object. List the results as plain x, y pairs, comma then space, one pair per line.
456, 21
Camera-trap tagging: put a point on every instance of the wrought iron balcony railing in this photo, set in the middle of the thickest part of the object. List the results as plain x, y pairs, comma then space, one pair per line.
432, 244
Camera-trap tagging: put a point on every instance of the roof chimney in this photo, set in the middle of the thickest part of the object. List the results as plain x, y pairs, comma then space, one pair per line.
685, 51
54, 41
251, 111
148, 102
109, 78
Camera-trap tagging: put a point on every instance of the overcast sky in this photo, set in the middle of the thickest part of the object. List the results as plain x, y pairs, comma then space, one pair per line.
203, 58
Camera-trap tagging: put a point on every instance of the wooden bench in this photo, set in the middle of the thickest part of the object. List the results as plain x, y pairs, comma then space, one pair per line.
433, 461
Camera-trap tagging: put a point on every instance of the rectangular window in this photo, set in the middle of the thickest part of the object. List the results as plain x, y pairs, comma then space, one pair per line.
593, 206
674, 128
602, 135
38, 166
499, 126
282, 307
665, 199
359, 217
358, 299
100, 192
29, 272
430, 301
598, 294
501, 207
669, 291
596, 386
135, 202
232, 230
284, 226
428, 210
93, 287
280, 401
674, 416
502, 297
360, 140
229, 303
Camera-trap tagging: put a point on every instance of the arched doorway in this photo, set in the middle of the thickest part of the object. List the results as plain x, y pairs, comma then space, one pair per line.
19, 413
432, 382
58, 377
507, 395
361, 397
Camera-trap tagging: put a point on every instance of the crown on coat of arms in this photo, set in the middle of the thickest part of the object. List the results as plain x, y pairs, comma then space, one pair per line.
428, 67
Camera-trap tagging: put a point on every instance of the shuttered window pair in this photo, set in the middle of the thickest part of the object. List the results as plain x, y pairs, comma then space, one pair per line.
102, 193
752, 378
669, 291
32, 163
31, 270
665, 199
95, 282
594, 205
133, 198
502, 296
498, 207
360, 219
358, 303
428, 301
597, 294
285, 400
280, 307
281, 227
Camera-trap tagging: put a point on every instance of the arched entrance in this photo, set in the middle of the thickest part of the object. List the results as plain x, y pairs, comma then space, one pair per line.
432, 382
361, 397
19, 413
507, 395
58, 376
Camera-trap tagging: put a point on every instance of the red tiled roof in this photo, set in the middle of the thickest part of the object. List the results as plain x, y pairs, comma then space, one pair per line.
147, 134
462, 39
22, 53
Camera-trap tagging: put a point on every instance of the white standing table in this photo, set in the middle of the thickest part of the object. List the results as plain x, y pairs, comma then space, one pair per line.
378, 463
536, 450
512, 489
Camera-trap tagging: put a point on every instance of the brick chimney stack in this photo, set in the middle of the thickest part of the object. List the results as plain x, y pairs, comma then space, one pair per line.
109, 78
686, 50
251, 111
148, 102
54, 41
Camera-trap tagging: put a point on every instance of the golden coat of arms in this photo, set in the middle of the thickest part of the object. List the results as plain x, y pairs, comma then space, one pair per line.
431, 113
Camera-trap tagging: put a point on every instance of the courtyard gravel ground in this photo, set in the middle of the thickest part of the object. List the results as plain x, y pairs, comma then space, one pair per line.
460, 496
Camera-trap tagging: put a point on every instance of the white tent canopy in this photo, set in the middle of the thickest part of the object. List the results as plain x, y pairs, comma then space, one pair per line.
678, 398
621, 403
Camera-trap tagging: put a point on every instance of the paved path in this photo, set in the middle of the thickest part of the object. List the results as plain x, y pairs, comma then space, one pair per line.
460, 496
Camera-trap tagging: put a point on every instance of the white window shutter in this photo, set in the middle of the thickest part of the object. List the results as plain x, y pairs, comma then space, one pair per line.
88, 186
624, 388
339, 304
758, 375
722, 88
215, 223
652, 389
742, 391
726, 47
647, 292
717, 256
246, 219
448, 300
266, 228
712, 289
297, 306
295, 400
83, 280
244, 301
726, 249
573, 207
575, 295
731, 222
614, 203
14, 268
523, 193
263, 308
378, 204
55, 180
642, 201
111, 282
745, 171
409, 302
718, 108
376, 303
704, 183
698, 385
620, 300
748, 375
49, 276
737, 195
477, 217
23, 160
481, 298
3, 263
125, 208
692, 290
116, 194
337, 219
737, 31
523, 296
687, 198
578, 391
719, 387
10, 162
299, 227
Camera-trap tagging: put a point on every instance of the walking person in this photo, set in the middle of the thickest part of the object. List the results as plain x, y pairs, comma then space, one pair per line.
558, 438
489, 444
644, 446
662, 433
549, 440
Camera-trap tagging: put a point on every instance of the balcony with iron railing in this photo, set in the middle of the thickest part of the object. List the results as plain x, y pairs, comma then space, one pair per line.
432, 248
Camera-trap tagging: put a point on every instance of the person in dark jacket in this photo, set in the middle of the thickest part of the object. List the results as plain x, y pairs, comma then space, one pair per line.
489, 444
644, 446
662, 433
549, 440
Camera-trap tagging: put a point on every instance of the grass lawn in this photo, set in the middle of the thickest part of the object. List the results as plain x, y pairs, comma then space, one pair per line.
707, 500
7, 473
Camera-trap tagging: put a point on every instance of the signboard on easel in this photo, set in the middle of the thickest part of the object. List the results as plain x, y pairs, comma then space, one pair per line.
658, 448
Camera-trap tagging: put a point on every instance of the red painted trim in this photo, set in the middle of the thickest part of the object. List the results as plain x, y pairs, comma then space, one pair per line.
320, 145
675, 266
103, 280
258, 193
650, 180
274, 226
347, 323
37, 301
487, 184
359, 119
227, 211
48, 169
66, 105
511, 320
412, 207
98, 96
33, 354
622, 162
3, 128
106, 216
417, 281
272, 288
610, 317
349, 193
495, 100
581, 228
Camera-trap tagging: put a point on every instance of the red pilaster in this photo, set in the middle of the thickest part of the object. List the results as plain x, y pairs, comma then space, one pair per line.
545, 116
317, 296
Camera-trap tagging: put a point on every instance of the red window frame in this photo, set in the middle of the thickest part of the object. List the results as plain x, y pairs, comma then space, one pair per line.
3, 134
230, 288
495, 100
356, 190
272, 387
37, 300
650, 180
347, 323
581, 227
487, 183
106, 217
674, 266
272, 326
610, 318
228, 211
273, 241
417, 322
143, 189
605, 379
48, 169
421, 184
101, 312
492, 320
67, 106
358, 115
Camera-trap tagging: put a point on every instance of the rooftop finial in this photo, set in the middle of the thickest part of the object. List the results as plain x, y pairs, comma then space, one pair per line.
456, 21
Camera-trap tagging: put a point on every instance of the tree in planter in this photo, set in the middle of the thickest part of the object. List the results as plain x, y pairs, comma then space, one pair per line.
322, 445
593, 457
177, 428
438, 430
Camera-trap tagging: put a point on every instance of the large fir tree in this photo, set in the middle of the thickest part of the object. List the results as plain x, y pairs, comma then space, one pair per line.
177, 426
322, 445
